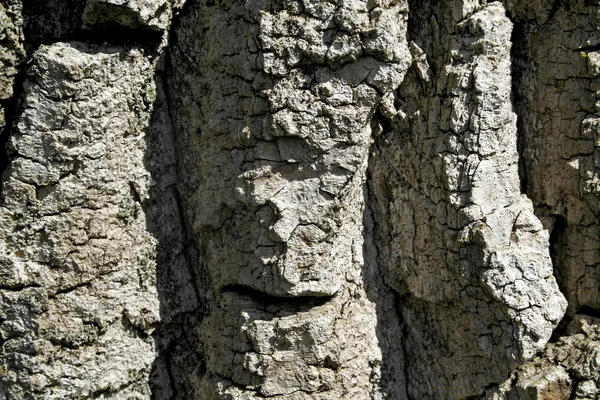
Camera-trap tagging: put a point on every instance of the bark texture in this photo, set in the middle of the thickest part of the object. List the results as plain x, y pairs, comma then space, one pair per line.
300, 199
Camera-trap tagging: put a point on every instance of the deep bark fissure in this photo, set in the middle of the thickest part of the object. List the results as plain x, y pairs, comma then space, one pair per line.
50, 21
520, 61
10, 112
376, 264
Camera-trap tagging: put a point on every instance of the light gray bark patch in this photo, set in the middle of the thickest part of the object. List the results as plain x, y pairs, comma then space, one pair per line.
78, 266
276, 128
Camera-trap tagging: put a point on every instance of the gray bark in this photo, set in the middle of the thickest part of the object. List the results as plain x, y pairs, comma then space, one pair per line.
299, 199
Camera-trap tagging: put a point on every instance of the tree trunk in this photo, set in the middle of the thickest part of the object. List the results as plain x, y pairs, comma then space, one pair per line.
300, 199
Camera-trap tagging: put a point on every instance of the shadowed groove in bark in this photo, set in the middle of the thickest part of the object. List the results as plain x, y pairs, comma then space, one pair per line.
10, 111
12, 55
520, 61
419, 22
558, 242
391, 330
555, 177
50, 21
180, 282
524, 82
299, 302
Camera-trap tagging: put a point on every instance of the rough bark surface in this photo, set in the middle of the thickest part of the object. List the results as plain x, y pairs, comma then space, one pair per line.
463, 244
299, 199
12, 55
